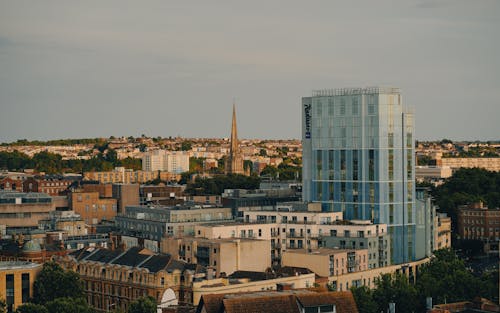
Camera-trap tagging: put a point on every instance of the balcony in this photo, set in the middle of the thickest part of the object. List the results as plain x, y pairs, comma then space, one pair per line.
294, 235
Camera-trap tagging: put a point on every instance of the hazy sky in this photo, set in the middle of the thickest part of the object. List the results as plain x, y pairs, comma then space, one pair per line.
73, 69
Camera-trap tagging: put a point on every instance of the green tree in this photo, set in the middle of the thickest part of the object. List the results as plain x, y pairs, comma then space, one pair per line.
196, 164
395, 288
3, 306
364, 299
143, 305
68, 305
186, 146
270, 170
53, 282
31, 308
446, 279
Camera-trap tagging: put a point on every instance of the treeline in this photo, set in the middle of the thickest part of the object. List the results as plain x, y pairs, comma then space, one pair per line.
217, 184
56, 142
468, 185
51, 163
445, 278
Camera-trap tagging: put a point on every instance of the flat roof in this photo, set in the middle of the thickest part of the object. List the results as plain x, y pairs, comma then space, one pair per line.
14, 265
322, 251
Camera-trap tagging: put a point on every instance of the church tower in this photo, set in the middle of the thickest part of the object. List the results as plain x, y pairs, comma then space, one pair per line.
234, 161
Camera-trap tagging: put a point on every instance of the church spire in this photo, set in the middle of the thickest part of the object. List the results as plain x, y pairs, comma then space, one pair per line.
234, 133
234, 161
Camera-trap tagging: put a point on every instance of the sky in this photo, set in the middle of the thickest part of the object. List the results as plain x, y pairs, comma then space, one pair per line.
80, 69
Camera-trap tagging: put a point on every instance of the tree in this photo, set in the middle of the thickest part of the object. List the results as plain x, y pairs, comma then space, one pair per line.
31, 308
364, 299
186, 146
53, 282
68, 305
446, 279
143, 305
395, 288
3, 306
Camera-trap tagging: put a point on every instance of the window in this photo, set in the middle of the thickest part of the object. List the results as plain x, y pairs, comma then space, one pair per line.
371, 108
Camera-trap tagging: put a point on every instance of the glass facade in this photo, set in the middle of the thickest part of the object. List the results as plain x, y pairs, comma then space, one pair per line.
358, 158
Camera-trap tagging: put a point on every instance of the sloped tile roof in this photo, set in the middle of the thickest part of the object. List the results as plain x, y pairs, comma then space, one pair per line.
285, 303
343, 300
156, 263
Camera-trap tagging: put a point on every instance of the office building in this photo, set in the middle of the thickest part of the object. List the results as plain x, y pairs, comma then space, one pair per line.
16, 282
358, 158
21, 212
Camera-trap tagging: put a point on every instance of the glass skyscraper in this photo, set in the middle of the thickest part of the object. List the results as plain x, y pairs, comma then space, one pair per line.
358, 158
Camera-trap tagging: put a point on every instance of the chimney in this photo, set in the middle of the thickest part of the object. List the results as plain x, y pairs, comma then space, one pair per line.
428, 303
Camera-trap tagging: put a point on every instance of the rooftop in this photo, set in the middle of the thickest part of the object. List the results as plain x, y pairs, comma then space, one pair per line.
13, 265
355, 91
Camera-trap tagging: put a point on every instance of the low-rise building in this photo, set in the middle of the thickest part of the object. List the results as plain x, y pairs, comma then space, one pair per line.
21, 212
284, 301
442, 233
328, 262
16, 282
223, 255
490, 164
51, 185
114, 278
128, 176
92, 208
68, 221
478, 222
250, 283
156, 222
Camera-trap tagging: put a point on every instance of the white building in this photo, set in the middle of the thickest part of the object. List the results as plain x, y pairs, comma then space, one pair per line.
163, 160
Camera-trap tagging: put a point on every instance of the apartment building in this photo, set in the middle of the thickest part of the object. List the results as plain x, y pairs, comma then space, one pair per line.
328, 262
163, 160
373, 238
442, 233
222, 255
479, 222
92, 208
128, 176
155, 222
490, 164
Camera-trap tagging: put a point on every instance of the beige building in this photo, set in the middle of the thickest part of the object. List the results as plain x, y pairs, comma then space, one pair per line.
114, 278
225, 286
67, 221
16, 282
23, 211
432, 173
127, 176
328, 262
442, 233
223, 255
163, 160
368, 277
490, 164
92, 208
